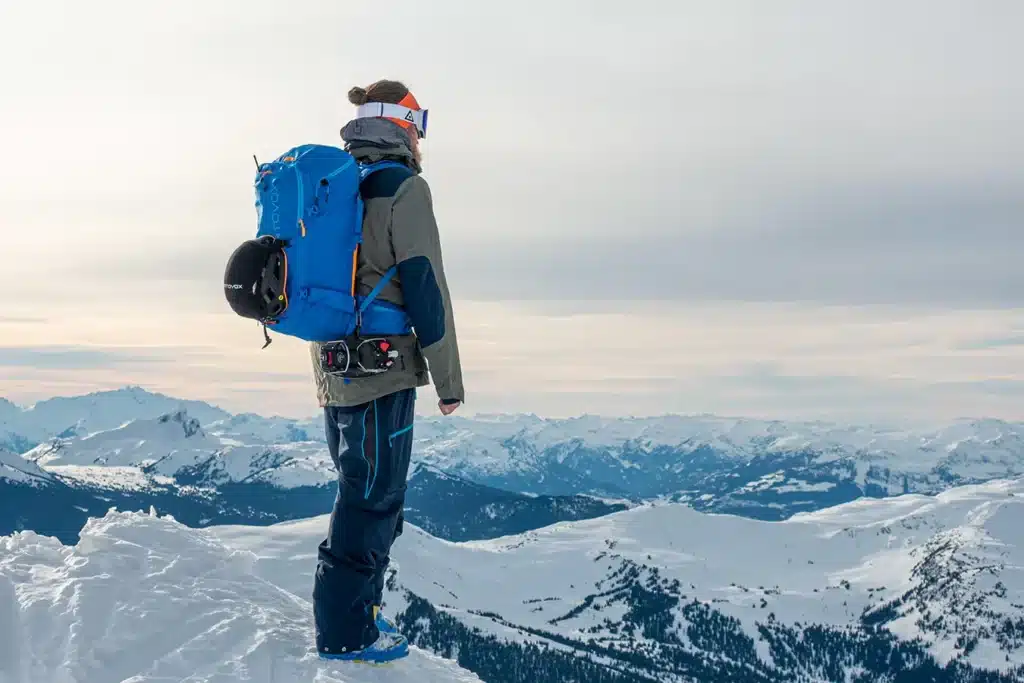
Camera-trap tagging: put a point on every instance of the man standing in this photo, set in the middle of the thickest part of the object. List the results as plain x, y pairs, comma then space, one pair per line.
369, 420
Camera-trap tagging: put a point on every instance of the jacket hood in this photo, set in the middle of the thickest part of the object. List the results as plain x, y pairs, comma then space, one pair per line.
373, 140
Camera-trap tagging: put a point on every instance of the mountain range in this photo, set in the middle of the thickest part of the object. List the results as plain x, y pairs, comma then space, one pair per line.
753, 468
243, 469
908, 588
670, 549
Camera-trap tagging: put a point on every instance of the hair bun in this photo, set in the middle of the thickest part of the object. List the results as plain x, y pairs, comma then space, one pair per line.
357, 96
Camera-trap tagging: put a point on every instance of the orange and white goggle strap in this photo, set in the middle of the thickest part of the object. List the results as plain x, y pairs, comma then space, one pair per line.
403, 116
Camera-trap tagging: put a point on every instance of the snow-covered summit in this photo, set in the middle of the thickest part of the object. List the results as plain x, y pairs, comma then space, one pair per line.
140, 442
142, 599
176, 445
96, 411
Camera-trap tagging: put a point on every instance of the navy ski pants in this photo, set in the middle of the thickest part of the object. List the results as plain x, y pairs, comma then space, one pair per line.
371, 445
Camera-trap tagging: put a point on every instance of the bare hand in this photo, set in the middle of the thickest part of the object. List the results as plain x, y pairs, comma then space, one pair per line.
448, 409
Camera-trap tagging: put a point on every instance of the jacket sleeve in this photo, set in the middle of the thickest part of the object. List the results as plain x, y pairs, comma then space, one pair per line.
417, 244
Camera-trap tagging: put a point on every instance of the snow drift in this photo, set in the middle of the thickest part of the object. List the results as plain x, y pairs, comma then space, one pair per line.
142, 599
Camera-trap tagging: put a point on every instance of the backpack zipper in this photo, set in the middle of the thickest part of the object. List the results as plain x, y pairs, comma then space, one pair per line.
340, 169
301, 193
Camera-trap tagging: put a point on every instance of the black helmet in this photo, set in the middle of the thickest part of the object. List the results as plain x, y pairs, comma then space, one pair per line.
255, 279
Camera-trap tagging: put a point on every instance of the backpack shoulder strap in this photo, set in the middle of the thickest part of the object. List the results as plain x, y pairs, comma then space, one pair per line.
365, 170
370, 190
374, 185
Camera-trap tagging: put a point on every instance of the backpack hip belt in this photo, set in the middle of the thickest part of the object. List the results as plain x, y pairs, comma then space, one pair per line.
355, 356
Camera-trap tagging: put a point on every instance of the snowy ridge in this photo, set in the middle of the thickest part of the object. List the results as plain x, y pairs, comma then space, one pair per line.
491, 440
754, 468
251, 428
14, 468
139, 443
973, 447
176, 445
521, 452
212, 475
143, 599
97, 411
946, 572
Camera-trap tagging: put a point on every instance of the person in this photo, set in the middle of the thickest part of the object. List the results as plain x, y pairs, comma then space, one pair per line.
369, 420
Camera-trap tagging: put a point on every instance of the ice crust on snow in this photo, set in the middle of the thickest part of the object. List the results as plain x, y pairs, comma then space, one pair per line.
143, 599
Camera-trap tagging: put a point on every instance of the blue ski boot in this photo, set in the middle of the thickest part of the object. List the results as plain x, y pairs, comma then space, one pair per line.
387, 648
384, 625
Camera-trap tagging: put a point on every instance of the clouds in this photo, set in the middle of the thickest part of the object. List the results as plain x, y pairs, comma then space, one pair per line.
799, 152
943, 248
64, 357
995, 342
886, 364
584, 157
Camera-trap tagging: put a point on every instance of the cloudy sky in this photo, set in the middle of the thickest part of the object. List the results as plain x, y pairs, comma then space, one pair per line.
785, 209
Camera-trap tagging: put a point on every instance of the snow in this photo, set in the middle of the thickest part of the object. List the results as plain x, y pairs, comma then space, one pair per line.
826, 567
97, 411
285, 466
111, 478
132, 427
142, 599
805, 487
764, 483
176, 443
15, 468
252, 428
981, 449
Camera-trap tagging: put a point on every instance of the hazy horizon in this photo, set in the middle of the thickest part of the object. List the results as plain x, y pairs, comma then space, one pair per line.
878, 422
795, 211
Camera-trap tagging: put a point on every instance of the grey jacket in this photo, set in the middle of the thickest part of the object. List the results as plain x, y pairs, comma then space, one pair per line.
399, 229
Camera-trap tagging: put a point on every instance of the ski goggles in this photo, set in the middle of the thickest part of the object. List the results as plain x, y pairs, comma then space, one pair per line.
400, 114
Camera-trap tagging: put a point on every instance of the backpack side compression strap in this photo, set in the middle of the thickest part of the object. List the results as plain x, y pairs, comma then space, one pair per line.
384, 279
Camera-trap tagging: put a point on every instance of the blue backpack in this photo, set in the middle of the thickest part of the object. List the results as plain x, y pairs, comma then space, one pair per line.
298, 276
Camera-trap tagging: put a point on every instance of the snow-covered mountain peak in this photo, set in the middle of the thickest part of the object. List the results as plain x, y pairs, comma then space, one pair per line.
70, 416
140, 442
142, 598
176, 446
